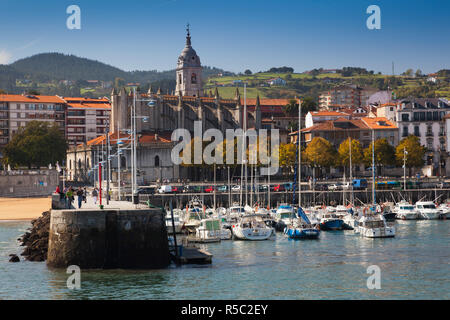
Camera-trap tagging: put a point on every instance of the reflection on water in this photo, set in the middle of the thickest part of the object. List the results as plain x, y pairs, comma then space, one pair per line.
414, 265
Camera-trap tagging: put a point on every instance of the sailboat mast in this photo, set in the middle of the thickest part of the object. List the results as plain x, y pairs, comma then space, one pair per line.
245, 139
299, 153
268, 177
351, 174
373, 167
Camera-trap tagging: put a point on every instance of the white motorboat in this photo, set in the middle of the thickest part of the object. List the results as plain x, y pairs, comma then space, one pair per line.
193, 215
373, 225
405, 211
211, 230
177, 223
427, 210
252, 227
236, 211
445, 209
284, 216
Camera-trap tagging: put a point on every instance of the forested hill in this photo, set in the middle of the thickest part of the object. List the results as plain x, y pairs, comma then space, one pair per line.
57, 66
43, 73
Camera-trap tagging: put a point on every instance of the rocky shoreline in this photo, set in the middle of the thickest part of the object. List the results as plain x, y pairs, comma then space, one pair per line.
35, 240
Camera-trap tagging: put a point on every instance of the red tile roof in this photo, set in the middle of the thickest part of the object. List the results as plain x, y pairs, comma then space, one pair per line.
328, 113
144, 138
375, 123
89, 105
30, 98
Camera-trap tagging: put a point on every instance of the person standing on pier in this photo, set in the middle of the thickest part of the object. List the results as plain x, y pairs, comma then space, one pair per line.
80, 194
69, 196
95, 195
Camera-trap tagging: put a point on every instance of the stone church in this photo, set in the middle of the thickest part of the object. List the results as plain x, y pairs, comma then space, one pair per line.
156, 121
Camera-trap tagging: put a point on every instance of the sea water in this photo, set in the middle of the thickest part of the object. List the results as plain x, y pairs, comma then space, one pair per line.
413, 265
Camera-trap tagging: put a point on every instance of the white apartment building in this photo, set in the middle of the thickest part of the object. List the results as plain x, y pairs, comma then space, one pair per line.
424, 118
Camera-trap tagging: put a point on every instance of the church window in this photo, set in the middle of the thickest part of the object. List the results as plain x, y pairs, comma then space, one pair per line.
156, 161
180, 79
194, 78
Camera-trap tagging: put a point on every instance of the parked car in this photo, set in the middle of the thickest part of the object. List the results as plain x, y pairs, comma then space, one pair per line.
263, 188
146, 190
222, 188
279, 187
443, 185
359, 184
346, 186
236, 188
289, 186
165, 189
176, 189
335, 186
209, 189
321, 187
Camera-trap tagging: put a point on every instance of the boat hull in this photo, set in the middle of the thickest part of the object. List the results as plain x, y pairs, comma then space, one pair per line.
407, 216
251, 234
300, 233
389, 216
430, 215
388, 232
331, 225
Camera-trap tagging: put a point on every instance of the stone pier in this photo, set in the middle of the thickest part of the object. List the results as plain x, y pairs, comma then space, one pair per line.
108, 239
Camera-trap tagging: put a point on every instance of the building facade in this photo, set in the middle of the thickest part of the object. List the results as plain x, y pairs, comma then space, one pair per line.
86, 119
424, 118
17, 110
79, 119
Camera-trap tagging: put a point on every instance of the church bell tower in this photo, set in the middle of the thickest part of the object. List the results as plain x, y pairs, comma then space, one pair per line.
189, 71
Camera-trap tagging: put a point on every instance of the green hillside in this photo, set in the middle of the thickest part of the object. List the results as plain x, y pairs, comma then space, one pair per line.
302, 84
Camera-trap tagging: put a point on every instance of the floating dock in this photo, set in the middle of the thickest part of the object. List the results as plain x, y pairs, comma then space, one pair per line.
192, 255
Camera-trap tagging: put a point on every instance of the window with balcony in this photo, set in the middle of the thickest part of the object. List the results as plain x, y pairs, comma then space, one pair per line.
416, 131
405, 117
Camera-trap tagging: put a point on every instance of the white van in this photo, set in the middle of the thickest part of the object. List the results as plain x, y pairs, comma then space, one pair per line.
165, 189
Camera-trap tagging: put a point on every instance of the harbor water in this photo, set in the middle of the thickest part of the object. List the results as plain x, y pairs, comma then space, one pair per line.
414, 265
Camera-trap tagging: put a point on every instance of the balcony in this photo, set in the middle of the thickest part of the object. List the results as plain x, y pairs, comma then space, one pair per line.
429, 134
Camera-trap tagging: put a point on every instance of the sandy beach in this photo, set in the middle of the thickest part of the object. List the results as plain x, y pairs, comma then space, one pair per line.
23, 208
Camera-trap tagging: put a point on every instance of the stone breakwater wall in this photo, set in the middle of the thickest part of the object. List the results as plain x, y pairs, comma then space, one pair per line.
108, 239
28, 184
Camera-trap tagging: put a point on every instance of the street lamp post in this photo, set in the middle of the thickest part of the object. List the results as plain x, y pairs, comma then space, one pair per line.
404, 168
151, 103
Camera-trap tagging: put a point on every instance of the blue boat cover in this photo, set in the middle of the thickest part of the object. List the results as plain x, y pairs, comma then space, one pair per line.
302, 215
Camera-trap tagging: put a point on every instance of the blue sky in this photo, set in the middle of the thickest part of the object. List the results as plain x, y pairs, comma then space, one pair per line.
234, 34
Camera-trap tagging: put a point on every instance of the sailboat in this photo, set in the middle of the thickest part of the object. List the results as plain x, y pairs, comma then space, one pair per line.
250, 226
300, 227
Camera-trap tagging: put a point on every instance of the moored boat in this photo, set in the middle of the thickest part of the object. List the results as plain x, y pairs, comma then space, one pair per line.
405, 211
251, 227
373, 225
427, 210
329, 222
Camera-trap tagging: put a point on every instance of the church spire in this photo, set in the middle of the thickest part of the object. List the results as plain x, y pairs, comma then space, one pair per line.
188, 37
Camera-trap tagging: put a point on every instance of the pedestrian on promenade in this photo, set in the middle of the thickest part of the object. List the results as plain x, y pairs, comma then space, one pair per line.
70, 197
95, 195
64, 196
80, 197
85, 195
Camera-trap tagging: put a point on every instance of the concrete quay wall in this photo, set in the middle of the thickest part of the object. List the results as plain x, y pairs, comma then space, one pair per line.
108, 239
